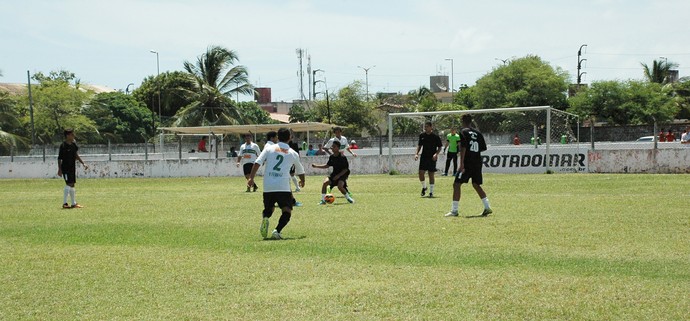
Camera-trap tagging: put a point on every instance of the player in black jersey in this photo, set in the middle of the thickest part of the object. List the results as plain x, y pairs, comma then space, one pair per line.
430, 145
67, 168
472, 145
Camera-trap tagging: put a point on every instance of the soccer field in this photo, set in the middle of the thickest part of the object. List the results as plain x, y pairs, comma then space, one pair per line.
559, 247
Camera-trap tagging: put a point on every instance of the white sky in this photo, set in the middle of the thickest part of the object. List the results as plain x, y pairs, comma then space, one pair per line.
108, 42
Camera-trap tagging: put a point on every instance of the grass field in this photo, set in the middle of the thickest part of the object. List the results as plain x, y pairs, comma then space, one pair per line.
558, 247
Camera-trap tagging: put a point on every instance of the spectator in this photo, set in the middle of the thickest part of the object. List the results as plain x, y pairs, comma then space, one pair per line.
670, 137
685, 139
311, 151
353, 144
662, 136
320, 151
516, 140
202, 145
233, 153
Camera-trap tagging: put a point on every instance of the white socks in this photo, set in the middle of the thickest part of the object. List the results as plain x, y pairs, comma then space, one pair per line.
455, 206
431, 188
72, 194
485, 200
423, 184
67, 191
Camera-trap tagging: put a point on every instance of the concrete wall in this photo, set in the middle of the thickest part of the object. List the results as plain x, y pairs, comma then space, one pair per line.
671, 160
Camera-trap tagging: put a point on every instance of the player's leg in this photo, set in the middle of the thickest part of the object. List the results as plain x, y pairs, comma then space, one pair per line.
342, 189
455, 163
269, 206
71, 182
324, 186
285, 203
432, 179
247, 169
422, 181
448, 160
457, 193
477, 181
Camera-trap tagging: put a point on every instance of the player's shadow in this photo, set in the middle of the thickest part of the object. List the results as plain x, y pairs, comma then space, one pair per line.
476, 216
286, 238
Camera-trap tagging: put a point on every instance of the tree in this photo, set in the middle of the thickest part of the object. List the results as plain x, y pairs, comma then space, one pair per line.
659, 71
298, 114
624, 103
350, 108
216, 80
175, 88
58, 105
120, 117
253, 114
527, 81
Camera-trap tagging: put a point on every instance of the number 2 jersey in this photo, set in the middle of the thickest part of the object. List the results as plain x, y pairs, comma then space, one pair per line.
473, 143
278, 159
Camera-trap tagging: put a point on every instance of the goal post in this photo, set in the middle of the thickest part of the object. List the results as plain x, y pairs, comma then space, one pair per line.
548, 137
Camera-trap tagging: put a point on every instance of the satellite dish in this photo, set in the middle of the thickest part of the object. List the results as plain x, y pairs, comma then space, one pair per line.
441, 86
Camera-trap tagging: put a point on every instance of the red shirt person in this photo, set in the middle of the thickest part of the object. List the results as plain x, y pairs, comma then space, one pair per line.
670, 137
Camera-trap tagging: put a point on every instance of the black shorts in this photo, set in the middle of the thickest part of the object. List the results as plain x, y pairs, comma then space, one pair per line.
475, 173
427, 164
247, 168
284, 199
69, 177
343, 178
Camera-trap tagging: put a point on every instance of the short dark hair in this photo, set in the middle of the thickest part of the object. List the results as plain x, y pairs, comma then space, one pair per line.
270, 135
284, 134
68, 131
466, 119
336, 143
428, 124
337, 129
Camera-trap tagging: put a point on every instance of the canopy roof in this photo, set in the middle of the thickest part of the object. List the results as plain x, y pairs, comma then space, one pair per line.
243, 129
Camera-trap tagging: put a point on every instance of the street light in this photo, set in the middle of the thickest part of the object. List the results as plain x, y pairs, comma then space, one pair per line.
366, 74
505, 61
452, 74
127, 89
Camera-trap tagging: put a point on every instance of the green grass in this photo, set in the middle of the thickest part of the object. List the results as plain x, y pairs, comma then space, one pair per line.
566, 247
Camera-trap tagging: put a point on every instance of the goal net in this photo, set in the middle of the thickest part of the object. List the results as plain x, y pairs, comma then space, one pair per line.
535, 139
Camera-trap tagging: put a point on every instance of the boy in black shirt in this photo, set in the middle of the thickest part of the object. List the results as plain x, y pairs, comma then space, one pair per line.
430, 144
472, 145
67, 167
341, 170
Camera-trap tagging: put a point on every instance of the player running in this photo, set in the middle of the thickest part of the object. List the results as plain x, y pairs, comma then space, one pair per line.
278, 159
341, 170
249, 151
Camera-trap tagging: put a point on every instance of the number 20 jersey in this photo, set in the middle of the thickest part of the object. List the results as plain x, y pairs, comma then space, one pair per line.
278, 159
473, 141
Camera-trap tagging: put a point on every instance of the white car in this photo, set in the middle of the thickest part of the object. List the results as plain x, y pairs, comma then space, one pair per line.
645, 139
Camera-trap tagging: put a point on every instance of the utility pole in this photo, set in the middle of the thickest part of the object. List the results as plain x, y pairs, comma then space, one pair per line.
452, 82
313, 84
366, 74
31, 109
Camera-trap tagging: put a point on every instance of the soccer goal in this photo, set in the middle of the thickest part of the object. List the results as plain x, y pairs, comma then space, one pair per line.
534, 139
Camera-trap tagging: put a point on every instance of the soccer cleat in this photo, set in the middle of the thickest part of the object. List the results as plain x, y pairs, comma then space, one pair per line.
487, 211
444, 174
297, 189
350, 199
249, 189
452, 213
276, 235
322, 202
431, 195
66, 206
423, 191
255, 187
76, 206
264, 227
298, 204
328, 191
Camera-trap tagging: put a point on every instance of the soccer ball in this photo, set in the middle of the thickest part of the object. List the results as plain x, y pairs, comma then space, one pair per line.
329, 198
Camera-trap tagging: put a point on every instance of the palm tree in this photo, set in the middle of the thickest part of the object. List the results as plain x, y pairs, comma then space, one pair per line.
217, 79
659, 71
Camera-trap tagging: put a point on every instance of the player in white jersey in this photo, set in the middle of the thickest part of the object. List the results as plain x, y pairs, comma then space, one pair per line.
278, 159
249, 151
344, 143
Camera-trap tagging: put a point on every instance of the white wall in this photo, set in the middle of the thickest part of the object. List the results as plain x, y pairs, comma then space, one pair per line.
675, 160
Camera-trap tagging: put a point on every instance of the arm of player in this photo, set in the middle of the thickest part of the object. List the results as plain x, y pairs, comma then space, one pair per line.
322, 166
438, 151
350, 150
416, 154
461, 166
299, 170
343, 172
82, 162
